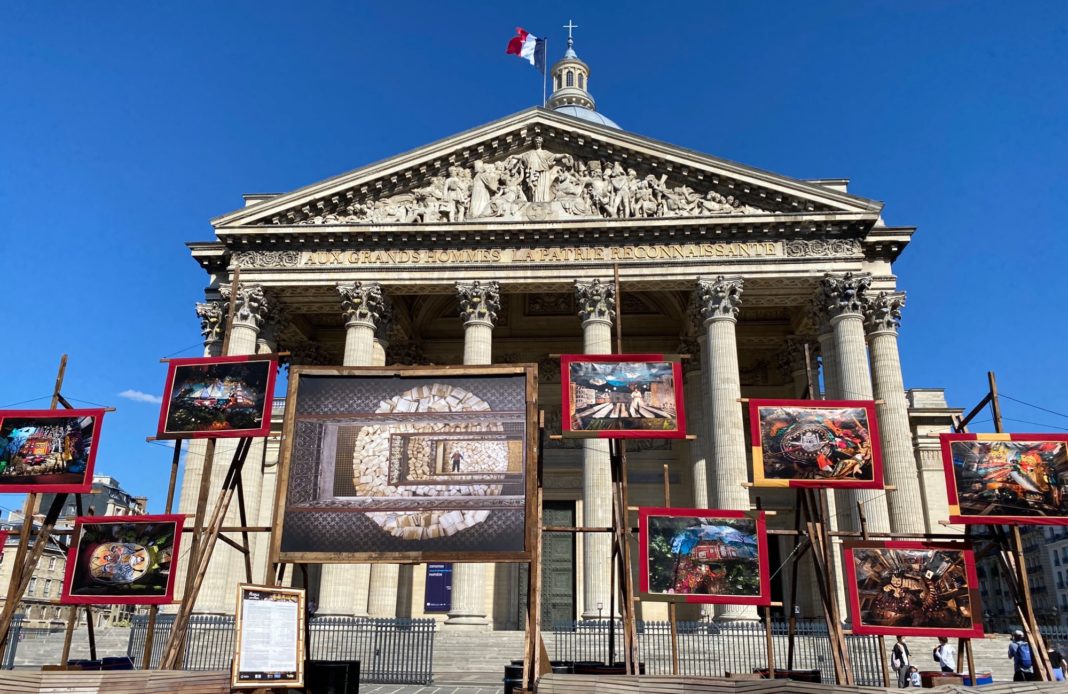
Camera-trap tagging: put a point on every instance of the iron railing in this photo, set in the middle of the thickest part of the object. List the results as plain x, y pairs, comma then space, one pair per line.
23, 636
712, 649
391, 651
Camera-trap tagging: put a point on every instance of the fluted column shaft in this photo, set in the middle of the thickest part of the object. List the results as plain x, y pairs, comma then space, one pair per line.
899, 460
597, 494
695, 421
479, 304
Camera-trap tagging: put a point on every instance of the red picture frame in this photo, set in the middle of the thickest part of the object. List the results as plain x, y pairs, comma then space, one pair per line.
1011, 482
619, 406
714, 552
14, 436
827, 447
84, 547
966, 571
195, 411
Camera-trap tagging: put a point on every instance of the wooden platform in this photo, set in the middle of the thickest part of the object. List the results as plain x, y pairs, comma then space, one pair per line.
114, 682
659, 684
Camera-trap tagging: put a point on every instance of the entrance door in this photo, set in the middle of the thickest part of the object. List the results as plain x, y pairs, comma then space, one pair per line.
557, 567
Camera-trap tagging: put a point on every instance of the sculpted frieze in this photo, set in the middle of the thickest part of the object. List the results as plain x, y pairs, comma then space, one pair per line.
535, 185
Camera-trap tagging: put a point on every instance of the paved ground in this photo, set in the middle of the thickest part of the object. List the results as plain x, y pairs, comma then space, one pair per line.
432, 689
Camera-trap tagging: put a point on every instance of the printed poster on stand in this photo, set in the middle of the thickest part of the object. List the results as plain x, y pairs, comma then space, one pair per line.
269, 637
48, 450
217, 397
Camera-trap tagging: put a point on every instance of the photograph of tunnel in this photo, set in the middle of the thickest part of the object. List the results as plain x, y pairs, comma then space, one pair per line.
913, 588
622, 396
1006, 478
415, 463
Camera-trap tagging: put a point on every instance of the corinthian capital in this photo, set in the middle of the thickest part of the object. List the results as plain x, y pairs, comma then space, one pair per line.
212, 315
478, 301
720, 298
596, 300
841, 295
251, 305
883, 312
364, 302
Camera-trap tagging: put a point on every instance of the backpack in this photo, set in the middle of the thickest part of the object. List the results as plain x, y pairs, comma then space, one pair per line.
1022, 659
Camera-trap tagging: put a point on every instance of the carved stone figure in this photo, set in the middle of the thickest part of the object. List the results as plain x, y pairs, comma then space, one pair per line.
529, 186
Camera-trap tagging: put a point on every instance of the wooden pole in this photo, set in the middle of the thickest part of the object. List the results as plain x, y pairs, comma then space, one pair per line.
211, 534
15, 590
791, 618
672, 609
882, 639
153, 610
534, 667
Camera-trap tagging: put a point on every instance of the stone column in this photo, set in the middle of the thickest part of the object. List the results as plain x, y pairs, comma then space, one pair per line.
344, 589
227, 567
899, 461
212, 315
693, 378
719, 301
842, 298
479, 304
596, 303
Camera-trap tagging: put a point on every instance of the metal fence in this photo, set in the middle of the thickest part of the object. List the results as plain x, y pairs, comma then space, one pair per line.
393, 651
23, 636
711, 649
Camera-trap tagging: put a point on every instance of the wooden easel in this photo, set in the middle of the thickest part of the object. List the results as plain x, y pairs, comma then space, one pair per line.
1010, 551
72, 615
26, 558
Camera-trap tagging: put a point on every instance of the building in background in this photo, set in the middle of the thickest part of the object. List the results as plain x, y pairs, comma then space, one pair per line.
108, 498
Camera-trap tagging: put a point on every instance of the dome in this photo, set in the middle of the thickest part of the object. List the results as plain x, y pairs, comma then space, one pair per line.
587, 115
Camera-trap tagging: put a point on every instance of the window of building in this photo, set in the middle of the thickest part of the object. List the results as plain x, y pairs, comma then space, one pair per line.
32, 588
51, 563
570, 79
581, 82
48, 588
1056, 559
556, 82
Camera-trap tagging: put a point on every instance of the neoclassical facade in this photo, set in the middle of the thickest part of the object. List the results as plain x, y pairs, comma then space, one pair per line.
498, 245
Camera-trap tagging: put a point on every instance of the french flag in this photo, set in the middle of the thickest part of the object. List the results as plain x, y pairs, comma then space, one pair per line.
528, 46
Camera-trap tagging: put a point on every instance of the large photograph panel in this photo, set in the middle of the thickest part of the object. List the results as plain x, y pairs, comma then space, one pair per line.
913, 588
408, 464
815, 443
1006, 478
703, 556
217, 397
48, 450
622, 396
123, 559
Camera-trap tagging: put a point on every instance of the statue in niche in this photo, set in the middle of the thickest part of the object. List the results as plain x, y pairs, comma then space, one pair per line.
484, 186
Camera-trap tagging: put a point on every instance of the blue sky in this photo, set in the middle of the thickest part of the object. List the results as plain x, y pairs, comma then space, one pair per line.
125, 127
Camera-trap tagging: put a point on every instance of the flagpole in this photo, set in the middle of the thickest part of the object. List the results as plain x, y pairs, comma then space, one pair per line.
544, 72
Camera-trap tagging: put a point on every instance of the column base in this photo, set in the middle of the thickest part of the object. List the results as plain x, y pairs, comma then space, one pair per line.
468, 622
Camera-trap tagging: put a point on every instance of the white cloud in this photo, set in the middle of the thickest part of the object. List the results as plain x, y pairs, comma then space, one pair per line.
138, 396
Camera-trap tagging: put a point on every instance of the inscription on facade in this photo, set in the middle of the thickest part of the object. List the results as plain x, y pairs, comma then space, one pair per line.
560, 254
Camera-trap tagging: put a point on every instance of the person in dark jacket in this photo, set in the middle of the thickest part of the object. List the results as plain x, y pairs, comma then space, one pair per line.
900, 660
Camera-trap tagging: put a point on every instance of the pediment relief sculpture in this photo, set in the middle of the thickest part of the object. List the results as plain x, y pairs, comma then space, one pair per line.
534, 185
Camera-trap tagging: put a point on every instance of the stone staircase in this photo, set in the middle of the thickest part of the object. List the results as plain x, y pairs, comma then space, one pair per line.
474, 657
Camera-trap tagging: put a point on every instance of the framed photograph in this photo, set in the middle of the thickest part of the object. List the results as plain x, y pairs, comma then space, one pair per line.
1006, 479
913, 589
407, 464
269, 644
127, 560
48, 450
218, 397
815, 443
703, 556
621, 396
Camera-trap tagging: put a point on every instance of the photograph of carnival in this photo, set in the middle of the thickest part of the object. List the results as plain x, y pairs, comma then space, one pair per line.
804, 443
123, 560
48, 450
622, 396
703, 556
217, 397
912, 588
1020, 480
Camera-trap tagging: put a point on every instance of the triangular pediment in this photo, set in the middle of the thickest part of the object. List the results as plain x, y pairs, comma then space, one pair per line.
541, 166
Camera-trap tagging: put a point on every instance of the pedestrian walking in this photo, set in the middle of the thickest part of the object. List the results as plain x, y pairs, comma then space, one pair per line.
1057, 661
1023, 662
945, 655
900, 660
